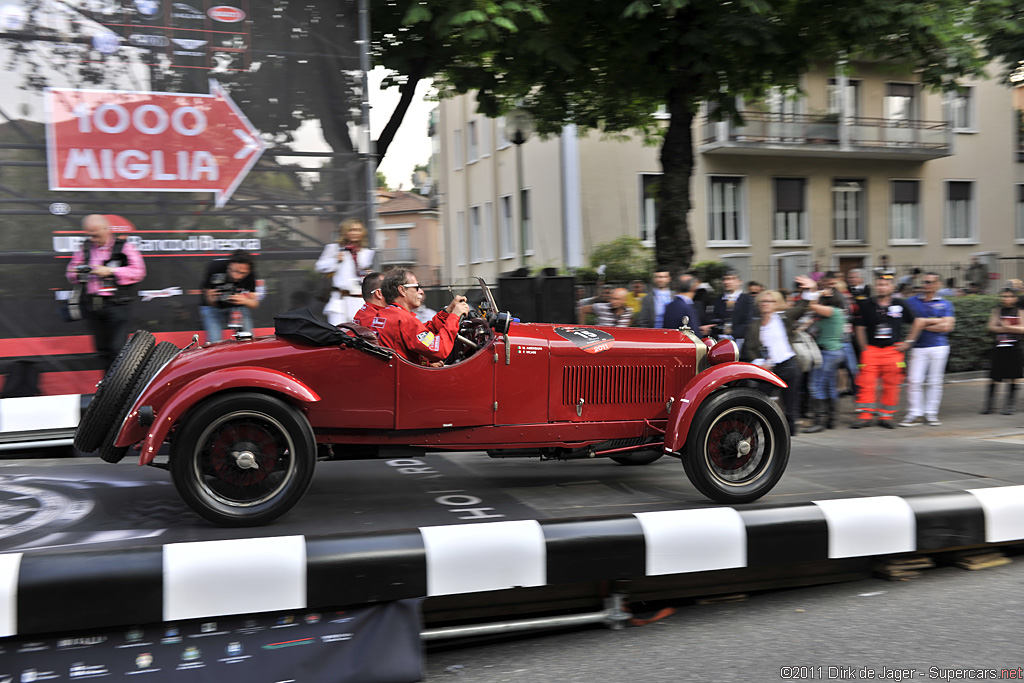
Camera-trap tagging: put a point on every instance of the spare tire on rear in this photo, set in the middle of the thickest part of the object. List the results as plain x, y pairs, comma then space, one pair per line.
111, 391
161, 355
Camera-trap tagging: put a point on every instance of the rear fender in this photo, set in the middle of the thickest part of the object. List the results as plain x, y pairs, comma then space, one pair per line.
253, 378
700, 387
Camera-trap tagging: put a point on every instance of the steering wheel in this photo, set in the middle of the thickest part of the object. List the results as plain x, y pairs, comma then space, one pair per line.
473, 334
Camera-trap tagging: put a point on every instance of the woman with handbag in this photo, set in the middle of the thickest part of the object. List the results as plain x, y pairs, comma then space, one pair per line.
771, 338
347, 261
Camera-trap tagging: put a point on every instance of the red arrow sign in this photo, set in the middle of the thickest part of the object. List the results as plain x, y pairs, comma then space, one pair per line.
107, 140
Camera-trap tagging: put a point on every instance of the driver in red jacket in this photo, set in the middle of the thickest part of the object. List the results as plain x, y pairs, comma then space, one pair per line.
373, 298
397, 327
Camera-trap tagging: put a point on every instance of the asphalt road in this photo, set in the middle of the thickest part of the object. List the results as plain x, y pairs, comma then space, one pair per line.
49, 502
946, 621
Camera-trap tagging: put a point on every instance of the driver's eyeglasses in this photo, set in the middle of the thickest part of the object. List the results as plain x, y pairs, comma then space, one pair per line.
411, 286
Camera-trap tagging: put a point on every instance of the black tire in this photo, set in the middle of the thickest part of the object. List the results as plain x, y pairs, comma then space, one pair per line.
161, 354
738, 446
111, 391
209, 476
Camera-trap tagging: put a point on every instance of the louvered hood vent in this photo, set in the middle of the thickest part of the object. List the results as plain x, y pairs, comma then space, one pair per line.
603, 385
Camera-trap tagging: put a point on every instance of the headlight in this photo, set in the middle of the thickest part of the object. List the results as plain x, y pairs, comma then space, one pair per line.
725, 351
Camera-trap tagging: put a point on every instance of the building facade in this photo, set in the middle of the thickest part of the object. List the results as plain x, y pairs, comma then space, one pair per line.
863, 163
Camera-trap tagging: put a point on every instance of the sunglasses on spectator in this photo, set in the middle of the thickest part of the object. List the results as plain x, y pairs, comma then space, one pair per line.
931, 282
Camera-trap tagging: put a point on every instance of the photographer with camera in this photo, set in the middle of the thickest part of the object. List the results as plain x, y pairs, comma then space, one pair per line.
103, 269
229, 295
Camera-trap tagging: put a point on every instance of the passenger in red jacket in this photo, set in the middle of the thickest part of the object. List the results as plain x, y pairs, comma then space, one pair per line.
397, 327
374, 300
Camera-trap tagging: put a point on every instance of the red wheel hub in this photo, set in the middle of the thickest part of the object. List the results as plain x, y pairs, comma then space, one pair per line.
731, 443
246, 439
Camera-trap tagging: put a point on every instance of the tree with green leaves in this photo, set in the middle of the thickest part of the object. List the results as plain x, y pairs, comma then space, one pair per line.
611, 65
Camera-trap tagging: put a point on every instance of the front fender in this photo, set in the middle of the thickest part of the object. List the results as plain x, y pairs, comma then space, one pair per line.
245, 377
699, 388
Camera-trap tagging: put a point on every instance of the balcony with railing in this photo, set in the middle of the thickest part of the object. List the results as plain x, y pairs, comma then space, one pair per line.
401, 256
808, 135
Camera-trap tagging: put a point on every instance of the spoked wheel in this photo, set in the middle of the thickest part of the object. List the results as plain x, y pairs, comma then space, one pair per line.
738, 446
243, 459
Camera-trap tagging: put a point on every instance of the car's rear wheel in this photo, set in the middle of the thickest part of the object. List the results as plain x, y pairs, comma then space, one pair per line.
243, 459
111, 391
160, 356
738, 446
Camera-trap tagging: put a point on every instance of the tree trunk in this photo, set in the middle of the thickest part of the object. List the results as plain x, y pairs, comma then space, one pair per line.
673, 246
407, 91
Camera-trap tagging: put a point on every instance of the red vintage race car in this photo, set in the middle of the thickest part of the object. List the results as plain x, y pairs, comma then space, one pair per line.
245, 418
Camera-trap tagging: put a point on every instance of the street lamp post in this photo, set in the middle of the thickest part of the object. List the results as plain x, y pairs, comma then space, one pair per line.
518, 127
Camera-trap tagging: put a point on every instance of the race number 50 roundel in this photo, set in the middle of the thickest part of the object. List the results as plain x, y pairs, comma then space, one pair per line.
588, 339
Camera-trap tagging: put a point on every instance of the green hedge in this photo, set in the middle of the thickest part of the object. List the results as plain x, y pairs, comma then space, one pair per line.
970, 341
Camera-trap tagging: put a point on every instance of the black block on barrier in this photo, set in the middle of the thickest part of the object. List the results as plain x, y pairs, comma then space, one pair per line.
556, 299
518, 296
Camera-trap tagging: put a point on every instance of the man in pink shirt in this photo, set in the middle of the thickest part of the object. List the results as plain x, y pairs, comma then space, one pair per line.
108, 265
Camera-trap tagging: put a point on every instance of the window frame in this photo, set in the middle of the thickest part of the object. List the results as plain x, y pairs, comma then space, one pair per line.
914, 102
506, 229
472, 142
861, 227
971, 110
475, 234
803, 218
971, 214
642, 213
742, 212
918, 239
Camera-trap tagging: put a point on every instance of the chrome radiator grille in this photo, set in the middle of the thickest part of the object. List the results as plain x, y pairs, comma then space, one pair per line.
602, 385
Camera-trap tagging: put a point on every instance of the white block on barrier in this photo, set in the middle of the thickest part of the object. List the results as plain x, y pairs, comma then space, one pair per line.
10, 565
215, 578
681, 541
879, 525
483, 557
40, 412
1004, 512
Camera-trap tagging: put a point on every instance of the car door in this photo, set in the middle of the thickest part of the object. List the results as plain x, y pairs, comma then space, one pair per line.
460, 395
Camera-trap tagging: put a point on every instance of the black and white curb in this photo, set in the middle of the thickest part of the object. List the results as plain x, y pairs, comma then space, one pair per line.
40, 421
55, 591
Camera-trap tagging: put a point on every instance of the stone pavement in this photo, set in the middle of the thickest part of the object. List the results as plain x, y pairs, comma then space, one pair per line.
962, 398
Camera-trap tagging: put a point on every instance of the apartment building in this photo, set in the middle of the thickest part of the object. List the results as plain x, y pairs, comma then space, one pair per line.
864, 162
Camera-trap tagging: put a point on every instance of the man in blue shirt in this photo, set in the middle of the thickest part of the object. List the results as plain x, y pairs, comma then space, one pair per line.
682, 306
652, 306
934, 319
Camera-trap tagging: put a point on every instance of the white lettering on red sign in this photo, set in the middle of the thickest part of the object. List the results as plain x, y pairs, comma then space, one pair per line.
155, 142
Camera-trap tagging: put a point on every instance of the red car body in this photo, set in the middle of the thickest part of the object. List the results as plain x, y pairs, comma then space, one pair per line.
527, 389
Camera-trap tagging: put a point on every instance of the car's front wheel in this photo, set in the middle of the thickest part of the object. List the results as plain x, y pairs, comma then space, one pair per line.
738, 446
243, 459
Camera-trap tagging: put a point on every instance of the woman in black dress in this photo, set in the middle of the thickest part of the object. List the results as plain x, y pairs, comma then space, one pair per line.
1007, 322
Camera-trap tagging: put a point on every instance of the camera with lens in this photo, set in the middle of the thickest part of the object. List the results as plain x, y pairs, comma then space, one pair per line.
82, 272
223, 289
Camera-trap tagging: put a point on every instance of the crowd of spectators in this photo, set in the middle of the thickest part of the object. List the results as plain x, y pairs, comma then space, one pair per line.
873, 332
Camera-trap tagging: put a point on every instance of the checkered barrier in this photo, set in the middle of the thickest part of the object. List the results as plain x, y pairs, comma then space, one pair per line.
60, 591
41, 413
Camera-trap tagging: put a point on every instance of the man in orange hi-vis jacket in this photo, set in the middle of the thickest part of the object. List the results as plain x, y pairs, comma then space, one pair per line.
884, 328
397, 327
